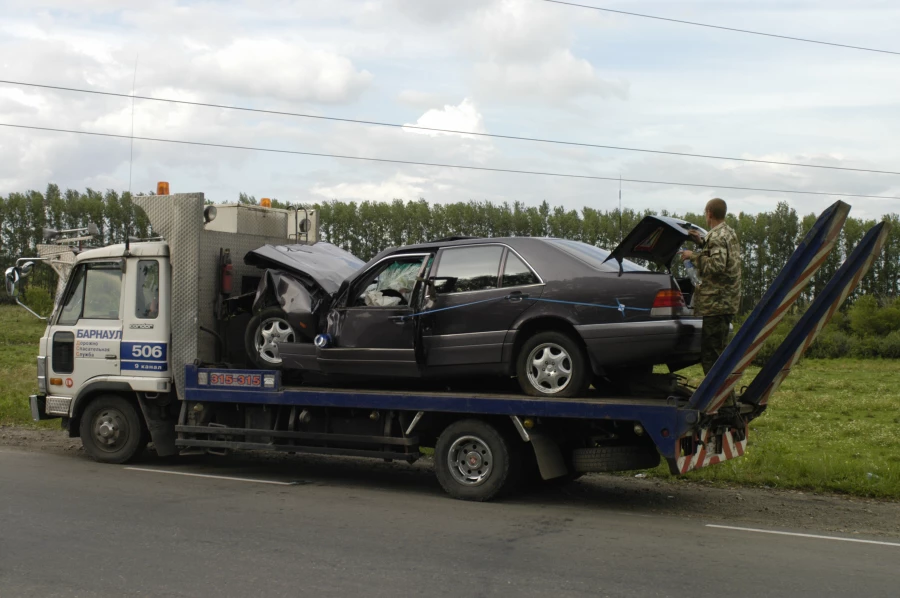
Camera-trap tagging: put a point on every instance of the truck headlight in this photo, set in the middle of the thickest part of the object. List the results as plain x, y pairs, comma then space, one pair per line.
42, 375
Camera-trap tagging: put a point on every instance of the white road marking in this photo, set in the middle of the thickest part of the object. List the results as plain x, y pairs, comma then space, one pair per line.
768, 531
216, 477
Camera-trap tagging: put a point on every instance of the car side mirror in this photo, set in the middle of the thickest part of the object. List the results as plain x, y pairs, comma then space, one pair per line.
13, 278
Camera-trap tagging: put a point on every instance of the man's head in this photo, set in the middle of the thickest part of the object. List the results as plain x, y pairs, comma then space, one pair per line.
715, 212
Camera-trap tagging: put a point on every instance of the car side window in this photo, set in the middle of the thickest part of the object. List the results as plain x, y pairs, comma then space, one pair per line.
466, 269
392, 283
516, 272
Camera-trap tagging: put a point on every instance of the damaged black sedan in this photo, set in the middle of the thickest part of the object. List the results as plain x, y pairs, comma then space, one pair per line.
556, 314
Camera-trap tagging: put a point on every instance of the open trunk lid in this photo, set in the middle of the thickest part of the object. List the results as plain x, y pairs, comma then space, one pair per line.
655, 238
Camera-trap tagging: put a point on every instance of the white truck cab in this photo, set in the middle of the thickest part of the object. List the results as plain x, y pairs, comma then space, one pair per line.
129, 317
111, 326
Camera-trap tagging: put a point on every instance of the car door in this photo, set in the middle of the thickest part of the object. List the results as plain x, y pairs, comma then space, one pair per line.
86, 335
479, 290
369, 333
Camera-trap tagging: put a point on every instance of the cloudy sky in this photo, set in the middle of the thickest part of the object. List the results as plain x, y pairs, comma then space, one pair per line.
509, 67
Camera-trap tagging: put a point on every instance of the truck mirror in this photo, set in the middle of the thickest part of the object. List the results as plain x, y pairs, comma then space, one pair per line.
25, 269
93, 230
50, 234
12, 282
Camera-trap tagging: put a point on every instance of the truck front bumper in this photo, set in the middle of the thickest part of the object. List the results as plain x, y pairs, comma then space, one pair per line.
39, 408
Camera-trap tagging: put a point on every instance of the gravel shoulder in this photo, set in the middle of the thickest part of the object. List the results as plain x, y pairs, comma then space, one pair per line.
740, 506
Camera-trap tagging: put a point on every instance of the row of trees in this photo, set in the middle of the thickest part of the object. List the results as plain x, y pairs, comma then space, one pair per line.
365, 228
767, 239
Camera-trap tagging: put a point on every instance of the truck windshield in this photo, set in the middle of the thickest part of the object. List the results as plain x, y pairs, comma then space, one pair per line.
95, 292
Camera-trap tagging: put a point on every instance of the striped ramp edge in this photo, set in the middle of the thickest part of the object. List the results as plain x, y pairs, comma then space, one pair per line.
822, 310
783, 293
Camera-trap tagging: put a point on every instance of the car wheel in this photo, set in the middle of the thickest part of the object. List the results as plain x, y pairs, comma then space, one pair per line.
264, 331
474, 461
111, 430
552, 364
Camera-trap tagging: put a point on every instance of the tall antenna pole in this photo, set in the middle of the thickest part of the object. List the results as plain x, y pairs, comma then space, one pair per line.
620, 206
131, 157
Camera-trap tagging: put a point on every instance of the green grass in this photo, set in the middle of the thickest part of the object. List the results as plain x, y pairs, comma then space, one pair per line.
19, 335
834, 425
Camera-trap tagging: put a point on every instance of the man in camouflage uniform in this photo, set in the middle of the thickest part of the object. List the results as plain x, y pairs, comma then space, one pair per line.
718, 297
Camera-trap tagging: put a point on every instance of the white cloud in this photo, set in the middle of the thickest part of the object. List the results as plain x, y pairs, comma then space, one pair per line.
464, 117
281, 70
560, 77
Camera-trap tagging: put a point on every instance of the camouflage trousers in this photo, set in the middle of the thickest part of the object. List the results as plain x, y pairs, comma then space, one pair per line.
713, 340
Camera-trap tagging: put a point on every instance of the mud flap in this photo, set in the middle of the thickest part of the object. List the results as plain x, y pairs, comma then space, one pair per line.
162, 431
809, 256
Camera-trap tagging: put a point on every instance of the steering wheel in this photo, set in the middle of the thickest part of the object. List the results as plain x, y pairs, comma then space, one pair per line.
395, 293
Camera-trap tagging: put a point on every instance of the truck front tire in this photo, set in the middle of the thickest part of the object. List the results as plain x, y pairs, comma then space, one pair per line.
111, 430
474, 461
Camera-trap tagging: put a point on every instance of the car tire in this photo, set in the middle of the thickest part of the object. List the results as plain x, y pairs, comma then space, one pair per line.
600, 459
474, 461
561, 355
264, 330
112, 430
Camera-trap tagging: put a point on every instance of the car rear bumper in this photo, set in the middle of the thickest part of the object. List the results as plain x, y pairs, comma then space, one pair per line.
640, 343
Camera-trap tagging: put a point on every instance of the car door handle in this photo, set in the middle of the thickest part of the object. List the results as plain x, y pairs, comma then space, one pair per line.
398, 319
112, 356
516, 296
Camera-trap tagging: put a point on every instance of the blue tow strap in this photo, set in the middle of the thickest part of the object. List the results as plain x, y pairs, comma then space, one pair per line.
621, 308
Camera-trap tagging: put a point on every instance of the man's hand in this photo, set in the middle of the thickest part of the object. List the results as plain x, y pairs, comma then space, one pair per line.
694, 234
687, 254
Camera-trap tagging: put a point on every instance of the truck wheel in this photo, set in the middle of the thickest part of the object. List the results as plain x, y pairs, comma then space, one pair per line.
111, 430
473, 461
614, 458
552, 364
264, 331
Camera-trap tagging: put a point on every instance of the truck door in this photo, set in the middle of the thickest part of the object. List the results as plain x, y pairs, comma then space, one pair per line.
145, 334
84, 338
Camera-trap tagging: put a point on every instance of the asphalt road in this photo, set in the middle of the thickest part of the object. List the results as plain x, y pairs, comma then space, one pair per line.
70, 527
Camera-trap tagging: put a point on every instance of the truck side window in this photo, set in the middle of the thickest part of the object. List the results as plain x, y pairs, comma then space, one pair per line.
102, 291
71, 310
146, 303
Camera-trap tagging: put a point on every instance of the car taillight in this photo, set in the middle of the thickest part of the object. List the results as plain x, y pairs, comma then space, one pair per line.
668, 303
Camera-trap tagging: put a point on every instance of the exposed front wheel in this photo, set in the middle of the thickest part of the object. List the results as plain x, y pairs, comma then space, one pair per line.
552, 364
265, 331
473, 461
111, 430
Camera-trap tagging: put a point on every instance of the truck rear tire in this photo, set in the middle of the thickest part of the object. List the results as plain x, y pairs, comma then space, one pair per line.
614, 458
474, 461
111, 430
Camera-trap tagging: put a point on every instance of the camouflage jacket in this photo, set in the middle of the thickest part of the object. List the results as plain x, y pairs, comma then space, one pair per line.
719, 265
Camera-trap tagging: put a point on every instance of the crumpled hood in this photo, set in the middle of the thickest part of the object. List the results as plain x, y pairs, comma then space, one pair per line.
323, 264
655, 238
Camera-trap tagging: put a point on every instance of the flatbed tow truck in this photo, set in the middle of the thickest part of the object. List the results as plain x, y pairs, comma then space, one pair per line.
141, 347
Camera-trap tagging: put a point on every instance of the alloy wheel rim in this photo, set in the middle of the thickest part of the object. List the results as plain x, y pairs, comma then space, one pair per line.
269, 333
550, 368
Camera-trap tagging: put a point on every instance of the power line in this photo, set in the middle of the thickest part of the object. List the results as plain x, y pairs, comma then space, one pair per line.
436, 130
439, 165
796, 39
